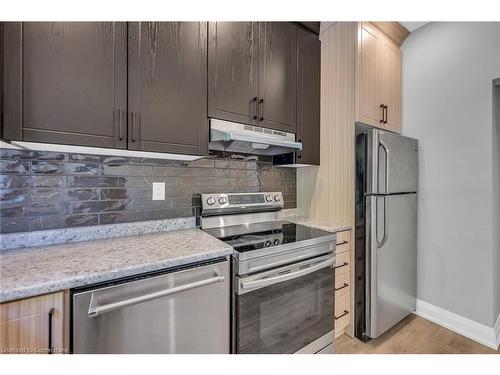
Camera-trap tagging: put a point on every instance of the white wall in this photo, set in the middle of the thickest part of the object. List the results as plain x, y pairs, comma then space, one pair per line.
448, 70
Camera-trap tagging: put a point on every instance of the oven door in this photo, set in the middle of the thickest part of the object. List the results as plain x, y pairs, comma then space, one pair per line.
286, 309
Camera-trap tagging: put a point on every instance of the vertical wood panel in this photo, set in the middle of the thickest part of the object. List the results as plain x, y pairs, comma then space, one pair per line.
326, 193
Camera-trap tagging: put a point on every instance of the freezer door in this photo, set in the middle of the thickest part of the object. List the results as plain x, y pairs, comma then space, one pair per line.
393, 163
391, 264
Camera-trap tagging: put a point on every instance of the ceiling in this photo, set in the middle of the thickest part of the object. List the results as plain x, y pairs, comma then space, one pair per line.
412, 26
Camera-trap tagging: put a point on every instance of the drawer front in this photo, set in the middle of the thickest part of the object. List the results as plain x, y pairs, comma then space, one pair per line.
342, 304
342, 284
342, 313
342, 263
343, 248
341, 324
343, 237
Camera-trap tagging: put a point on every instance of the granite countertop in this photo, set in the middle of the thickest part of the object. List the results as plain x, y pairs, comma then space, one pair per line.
293, 216
39, 270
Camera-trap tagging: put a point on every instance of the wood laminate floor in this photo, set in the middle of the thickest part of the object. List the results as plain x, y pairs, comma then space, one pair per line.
413, 335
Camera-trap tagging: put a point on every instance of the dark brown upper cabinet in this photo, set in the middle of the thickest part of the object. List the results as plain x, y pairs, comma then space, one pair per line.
141, 86
65, 82
253, 73
167, 88
233, 82
308, 97
278, 75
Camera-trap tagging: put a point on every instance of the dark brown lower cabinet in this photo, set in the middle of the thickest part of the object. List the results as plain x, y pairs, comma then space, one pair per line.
167, 87
308, 97
65, 82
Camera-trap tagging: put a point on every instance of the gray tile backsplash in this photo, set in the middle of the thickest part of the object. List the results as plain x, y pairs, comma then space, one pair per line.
50, 190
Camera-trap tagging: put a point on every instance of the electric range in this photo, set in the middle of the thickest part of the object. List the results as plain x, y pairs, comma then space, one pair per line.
282, 274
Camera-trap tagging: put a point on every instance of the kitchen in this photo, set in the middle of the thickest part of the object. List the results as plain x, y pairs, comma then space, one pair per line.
249, 187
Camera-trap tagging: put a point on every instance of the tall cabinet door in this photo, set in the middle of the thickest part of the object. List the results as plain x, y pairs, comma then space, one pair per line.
65, 82
168, 87
391, 84
278, 75
233, 71
308, 97
369, 100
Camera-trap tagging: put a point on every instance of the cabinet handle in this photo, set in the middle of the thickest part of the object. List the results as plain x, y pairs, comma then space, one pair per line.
51, 343
382, 113
342, 265
385, 114
133, 126
255, 108
342, 287
120, 124
261, 108
340, 316
342, 243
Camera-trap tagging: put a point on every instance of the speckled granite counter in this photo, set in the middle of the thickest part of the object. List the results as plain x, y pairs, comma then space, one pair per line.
292, 215
33, 271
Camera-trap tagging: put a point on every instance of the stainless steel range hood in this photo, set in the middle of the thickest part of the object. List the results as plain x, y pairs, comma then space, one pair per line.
249, 139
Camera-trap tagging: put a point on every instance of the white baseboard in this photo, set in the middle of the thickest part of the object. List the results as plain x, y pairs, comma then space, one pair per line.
489, 336
497, 330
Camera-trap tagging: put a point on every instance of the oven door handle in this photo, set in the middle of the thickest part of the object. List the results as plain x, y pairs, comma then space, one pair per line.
246, 286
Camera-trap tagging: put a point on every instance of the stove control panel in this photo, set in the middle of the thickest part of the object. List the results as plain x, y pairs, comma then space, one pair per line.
244, 202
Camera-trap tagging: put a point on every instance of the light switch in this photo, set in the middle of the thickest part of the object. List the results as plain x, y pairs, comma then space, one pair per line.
158, 191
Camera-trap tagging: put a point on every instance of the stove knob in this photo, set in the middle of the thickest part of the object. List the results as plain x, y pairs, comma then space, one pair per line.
222, 200
269, 198
276, 242
267, 243
277, 198
211, 201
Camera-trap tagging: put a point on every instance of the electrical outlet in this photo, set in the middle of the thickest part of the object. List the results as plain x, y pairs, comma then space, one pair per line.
158, 191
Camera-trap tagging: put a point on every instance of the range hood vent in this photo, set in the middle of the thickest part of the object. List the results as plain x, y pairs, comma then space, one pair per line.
248, 139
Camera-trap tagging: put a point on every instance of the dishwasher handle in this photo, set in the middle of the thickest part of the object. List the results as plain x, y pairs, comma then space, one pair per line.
95, 309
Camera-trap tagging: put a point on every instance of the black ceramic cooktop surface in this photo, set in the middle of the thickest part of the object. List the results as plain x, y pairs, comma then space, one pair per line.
250, 237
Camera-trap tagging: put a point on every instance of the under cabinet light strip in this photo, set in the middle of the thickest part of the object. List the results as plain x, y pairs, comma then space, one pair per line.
33, 146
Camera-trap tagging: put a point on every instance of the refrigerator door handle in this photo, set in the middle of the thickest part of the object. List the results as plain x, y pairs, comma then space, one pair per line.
386, 150
386, 231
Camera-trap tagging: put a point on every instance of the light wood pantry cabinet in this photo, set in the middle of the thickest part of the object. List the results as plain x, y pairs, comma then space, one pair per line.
36, 325
378, 88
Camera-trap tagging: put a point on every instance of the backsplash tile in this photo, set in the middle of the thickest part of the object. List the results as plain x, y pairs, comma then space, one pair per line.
52, 190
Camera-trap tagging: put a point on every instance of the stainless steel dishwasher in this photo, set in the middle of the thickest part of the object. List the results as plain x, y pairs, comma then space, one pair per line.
184, 311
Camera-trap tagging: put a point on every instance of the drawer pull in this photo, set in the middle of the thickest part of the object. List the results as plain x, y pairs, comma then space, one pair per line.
342, 287
342, 265
342, 243
51, 340
344, 314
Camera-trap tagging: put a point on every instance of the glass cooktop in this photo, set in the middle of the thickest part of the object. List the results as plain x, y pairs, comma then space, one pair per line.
256, 236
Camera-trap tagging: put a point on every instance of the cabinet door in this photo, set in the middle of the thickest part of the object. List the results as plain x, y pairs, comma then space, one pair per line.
168, 87
308, 97
233, 71
33, 325
369, 91
278, 75
65, 82
391, 84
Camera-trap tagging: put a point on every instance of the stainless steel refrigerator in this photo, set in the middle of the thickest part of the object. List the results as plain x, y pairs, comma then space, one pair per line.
386, 230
